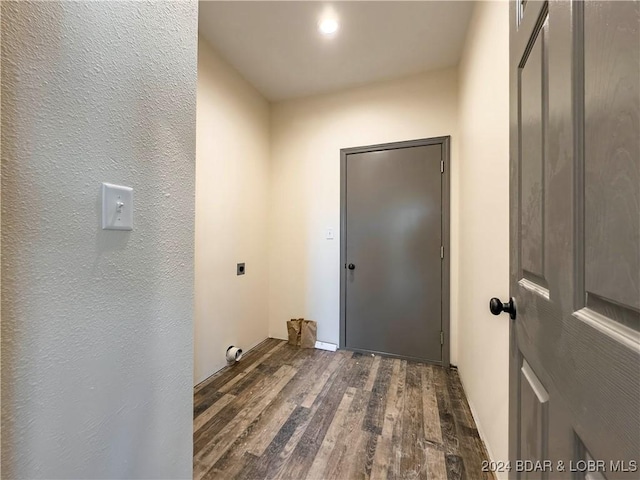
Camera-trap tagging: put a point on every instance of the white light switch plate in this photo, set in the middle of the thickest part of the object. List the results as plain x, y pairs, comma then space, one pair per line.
330, 234
117, 207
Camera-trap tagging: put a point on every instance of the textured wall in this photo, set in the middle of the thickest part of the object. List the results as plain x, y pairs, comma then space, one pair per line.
97, 331
232, 161
0, 236
307, 136
484, 225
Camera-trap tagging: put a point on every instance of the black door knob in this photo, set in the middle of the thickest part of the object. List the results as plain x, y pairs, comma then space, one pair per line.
497, 307
351, 266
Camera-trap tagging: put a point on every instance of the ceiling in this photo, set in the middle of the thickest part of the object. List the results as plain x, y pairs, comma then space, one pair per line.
276, 46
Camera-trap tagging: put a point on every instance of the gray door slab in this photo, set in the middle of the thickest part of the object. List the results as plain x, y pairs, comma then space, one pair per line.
392, 242
575, 238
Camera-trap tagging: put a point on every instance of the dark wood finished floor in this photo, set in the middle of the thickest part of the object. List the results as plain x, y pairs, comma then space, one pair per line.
289, 413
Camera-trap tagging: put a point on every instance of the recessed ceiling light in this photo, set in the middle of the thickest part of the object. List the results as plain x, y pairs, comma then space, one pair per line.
328, 26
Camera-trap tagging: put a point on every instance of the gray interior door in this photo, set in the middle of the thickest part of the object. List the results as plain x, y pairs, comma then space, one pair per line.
393, 238
575, 239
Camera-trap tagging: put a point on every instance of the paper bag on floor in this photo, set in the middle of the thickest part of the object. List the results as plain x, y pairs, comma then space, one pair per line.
294, 331
308, 333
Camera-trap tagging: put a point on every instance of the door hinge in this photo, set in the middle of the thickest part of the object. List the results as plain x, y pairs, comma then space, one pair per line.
441, 338
441, 251
441, 166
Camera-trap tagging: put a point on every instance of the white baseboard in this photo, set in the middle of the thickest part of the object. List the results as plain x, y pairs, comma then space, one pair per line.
332, 347
481, 433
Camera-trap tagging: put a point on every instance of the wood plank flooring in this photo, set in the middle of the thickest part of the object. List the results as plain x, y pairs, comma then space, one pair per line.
289, 413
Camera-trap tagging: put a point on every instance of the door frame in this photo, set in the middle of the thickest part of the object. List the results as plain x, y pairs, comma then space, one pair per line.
445, 300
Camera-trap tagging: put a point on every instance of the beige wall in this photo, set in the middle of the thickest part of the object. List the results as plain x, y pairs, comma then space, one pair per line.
484, 221
307, 136
232, 166
97, 339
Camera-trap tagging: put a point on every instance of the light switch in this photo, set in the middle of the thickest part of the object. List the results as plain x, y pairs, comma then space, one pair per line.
329, 233
117, 207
